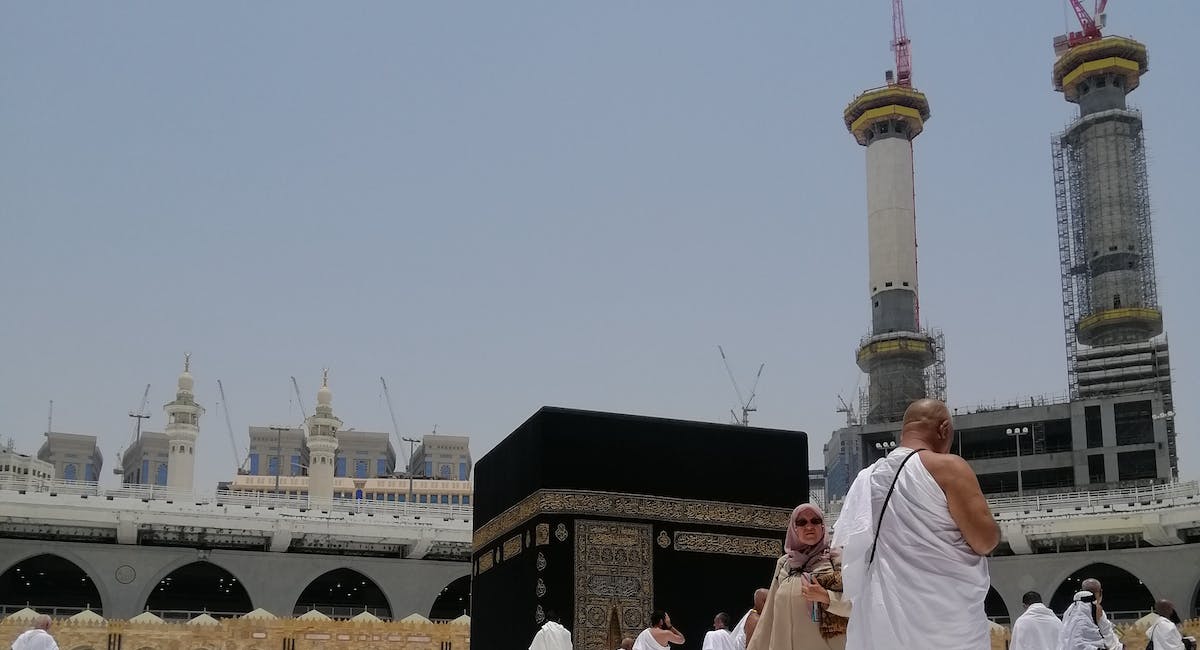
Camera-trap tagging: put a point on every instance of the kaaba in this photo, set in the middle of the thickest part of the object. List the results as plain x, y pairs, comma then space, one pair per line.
602, 518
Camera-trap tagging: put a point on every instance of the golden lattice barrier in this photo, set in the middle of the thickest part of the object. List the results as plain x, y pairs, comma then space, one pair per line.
257, 630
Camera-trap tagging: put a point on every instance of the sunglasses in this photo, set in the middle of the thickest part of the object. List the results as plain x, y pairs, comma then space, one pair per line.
801, 523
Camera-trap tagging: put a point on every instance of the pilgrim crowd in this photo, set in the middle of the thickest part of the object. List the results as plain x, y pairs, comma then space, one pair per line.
906, 567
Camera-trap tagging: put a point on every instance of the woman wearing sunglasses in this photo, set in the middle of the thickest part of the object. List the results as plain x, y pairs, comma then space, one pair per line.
804, 610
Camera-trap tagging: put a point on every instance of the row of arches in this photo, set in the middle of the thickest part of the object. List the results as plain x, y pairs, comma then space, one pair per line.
1123, 592
50, 581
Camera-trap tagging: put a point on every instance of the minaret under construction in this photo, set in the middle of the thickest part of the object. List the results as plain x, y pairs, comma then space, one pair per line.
897, 353
1113, 321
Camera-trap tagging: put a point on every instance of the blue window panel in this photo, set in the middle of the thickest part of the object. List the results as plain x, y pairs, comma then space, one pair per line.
400, 498
466, 500
423, 498
254, 464
160, 475
295, 469
391, 497
381, 467
429, 468
360, 468
462, 471
358, 494
339, 467
144, 477
90, 473
446, 499
273, 465
69, 471
454, 499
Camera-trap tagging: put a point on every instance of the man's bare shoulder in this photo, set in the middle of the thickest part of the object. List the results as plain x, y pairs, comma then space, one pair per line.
946, 468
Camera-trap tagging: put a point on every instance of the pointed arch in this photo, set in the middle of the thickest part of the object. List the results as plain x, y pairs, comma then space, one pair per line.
198, 587
1122, 590
995, 608
342, 593
48, 580
453, 601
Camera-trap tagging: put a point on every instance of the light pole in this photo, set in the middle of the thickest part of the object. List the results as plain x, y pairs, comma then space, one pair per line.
886, 447
1017, 432
411, 442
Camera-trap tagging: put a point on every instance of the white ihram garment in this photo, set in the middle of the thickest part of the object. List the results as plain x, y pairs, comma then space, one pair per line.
719, 640
739, 631
1165, 635
926, 586
1037, 629
645, 641
35, 640
552, 636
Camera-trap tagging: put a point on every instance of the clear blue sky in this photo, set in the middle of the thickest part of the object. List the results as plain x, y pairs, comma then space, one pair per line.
501, 205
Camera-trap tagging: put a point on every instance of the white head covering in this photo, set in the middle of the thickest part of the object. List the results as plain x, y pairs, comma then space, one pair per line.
1080, 631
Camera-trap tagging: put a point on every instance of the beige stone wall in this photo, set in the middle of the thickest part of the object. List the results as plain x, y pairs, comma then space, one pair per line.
241, 634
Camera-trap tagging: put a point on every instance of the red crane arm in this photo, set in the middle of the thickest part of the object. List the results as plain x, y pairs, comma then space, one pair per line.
1085, 21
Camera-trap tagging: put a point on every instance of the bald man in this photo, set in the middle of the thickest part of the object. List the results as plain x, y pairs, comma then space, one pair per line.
745, 627
916, 569
38, 638
1164, 634
626, 644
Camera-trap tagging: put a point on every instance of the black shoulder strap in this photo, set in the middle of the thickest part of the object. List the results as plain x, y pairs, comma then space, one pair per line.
885, 502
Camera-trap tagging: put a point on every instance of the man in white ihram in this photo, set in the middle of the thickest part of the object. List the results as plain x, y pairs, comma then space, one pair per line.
1103, 626
552, 636
720, 637
1038, 628
38, 638
915, 531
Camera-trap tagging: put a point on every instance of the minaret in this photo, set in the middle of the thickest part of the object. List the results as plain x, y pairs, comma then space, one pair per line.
1113, 320
183, 426
322, 446
895, 355
886, 120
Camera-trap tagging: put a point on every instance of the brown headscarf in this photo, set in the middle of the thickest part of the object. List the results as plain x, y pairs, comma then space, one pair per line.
801, 556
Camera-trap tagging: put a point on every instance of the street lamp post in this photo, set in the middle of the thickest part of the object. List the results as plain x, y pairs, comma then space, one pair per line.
1017, 432
886, 447
411, 442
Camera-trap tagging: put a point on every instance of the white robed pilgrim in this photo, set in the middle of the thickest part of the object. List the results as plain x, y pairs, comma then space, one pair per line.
1080, 631
926, 585
552, 636
1037, 629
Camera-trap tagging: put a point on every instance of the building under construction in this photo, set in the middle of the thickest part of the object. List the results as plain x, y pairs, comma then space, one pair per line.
1115, 424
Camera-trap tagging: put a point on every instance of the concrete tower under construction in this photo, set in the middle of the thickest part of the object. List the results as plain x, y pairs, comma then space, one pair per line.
1113, 321
901, 360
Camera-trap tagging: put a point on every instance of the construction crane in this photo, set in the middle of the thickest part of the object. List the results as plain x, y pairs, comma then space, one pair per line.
392, 412
137, 428
299, 400
900, 45
845, 408
1089, 26
241, 468
747, 405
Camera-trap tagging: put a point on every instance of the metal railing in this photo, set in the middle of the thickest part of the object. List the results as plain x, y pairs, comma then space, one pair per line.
59, 487
1172, 492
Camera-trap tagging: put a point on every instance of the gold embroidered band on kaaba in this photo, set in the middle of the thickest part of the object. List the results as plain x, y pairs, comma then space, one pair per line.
630, 507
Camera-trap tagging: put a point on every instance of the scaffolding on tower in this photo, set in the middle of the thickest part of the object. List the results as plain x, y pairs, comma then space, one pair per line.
935, 375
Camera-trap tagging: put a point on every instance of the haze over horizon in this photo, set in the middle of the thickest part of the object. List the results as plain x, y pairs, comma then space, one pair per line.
500, 207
